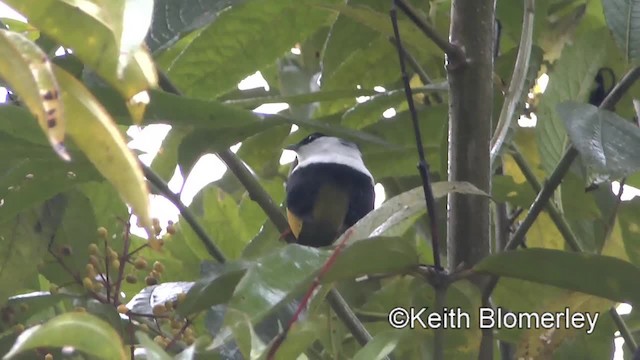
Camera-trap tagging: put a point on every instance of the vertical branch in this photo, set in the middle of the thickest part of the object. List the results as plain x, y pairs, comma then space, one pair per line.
470, 113
470, 110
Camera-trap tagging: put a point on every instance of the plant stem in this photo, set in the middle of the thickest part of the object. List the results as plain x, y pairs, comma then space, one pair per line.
554, 213
423, 166
257, 192
188, 216
415, 65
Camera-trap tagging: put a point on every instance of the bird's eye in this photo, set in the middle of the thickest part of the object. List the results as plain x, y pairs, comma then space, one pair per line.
312, 137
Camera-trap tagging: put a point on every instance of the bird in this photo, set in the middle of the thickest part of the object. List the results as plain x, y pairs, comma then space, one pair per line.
328, 191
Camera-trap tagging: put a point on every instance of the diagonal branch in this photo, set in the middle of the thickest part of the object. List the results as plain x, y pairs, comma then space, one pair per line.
454, 52
256, 192
413, 62
188, 216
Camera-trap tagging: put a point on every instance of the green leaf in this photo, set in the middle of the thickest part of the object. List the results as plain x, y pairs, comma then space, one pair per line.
603, 276
94, 132
404, 206
219, 53
623, 19
607, 143
286, 272
173, 19
82, 331
571, 79
28, 72
74, 20
77, 229
215, 288
24, 243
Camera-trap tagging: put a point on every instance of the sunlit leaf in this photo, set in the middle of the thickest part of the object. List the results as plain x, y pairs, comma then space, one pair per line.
94, 32
28, 71
93, 131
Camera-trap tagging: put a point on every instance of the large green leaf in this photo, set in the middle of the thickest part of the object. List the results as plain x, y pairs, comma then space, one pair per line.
247, 37
286, 272
95, 133
94, 32
213, 289
602, 276
405, 206
27, 70
82, 331
571, 79
172, 19
623, 19
607, 143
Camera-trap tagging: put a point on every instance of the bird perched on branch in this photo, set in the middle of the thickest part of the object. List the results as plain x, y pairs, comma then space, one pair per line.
328, 191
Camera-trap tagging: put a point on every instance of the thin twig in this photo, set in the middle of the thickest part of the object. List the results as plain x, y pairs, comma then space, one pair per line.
625, 332
561, 223
413, 62
123, 262
516, 85
423, 169
423, 166
454, 53
339, 304
188, 216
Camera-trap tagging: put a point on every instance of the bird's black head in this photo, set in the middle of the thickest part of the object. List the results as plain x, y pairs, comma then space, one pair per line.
307, 140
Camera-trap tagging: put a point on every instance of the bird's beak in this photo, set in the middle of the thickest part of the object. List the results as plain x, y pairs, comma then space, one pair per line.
292, 147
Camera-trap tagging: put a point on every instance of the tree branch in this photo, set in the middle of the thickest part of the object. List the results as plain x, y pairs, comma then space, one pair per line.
256, 192
413, 62
188, 216
423, 166
557, 218
454, 53
516, 85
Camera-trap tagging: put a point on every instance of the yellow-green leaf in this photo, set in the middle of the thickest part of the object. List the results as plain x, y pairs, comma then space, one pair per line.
93, 30
82, 331
27, 70
95, 133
